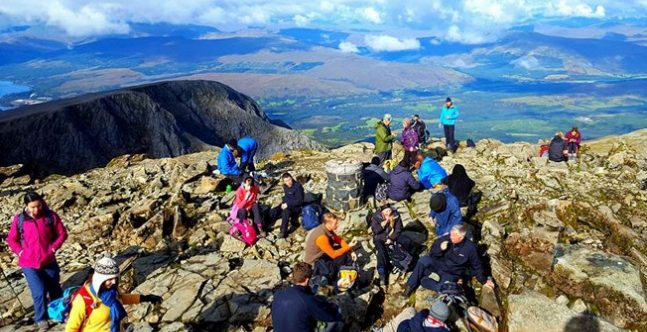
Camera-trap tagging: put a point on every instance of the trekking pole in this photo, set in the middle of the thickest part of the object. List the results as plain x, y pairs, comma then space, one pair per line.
12, 289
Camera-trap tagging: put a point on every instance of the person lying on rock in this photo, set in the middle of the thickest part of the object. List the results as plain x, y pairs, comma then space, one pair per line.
403, 184
297, 309
248, 147
449, 258
290, 207
34, 236
98, 305
326, 251
227, 162
386, 226
445, 211
247, 205
427, 320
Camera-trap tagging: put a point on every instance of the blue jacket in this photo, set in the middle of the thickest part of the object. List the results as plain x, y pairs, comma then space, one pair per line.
449, 217
417, 324
296, 309
403, 184
248, 146
452, 263
448, 116
227, 163
293, 196
431, 173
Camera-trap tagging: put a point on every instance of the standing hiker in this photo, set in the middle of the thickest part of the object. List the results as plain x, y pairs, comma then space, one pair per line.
248, 147
448, 116
384, 139
409, 141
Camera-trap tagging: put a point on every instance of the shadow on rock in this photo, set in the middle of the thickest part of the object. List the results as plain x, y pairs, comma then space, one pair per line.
583, 322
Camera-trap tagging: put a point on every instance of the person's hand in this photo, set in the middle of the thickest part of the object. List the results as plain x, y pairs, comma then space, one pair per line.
383, 224
444, 245
353, 256
284, 206
489, 283
432, 221
389, 241
154, 299
353, 243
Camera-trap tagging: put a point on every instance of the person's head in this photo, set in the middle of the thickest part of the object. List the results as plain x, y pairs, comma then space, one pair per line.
375, 161
406, 123
439, 310
405, 162
106, 274
330, 221
559, 134
438, 202
387, 211
386, 119
416, 117
301, 273
419, 158
574, 130
448, 102
457, 234
34, 203
459, 170
248, 182
288, 180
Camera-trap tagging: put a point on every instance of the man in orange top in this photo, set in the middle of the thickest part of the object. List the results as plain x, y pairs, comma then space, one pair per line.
326, 251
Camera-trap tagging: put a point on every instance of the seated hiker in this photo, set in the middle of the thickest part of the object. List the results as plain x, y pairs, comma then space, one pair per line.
386, 225
373, 175
297, 309
557, 150
459, 184
409, 140
290, 207
248, 147
403, 184
98, 306
427, 320
227, 162
573, 140
430, 172
449, 258
326, 251
247, 205
445, 211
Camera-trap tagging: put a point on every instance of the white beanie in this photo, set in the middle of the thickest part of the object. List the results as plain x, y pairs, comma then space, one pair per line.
105, 269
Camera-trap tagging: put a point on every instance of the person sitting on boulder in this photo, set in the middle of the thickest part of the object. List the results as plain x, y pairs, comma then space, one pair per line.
430, 172
297, 309
449, 258
459, 184
373, 175
248, 147
409, 141
427, 320
98, 305
403, 184
326, 251
557, 150
573, 140
445, 211
227, 162
290, 207
246, 203
386, 225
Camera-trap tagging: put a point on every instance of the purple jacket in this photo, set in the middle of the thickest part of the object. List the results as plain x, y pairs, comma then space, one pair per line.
40, 240
409, 138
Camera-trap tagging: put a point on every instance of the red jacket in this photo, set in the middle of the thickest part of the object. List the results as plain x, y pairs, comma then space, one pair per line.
243, 203
577, 138
39, 240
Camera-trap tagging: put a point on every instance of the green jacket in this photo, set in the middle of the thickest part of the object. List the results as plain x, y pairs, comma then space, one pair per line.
383, 138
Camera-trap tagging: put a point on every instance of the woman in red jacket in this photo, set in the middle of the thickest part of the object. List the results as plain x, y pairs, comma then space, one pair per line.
573, 139
34, 236
246, 203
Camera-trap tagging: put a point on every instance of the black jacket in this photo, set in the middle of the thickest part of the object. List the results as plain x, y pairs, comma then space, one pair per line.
420, 128
459, 183
453, 262
382, 233
296, 309
556, 149
403, 184
293, 196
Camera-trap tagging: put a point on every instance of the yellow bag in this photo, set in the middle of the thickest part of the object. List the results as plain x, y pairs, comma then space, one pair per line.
347, 277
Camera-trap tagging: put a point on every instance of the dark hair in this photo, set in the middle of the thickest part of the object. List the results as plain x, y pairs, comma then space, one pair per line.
32, 196
405, 162
375, 161
286, 175
300, 272
248, 178
233, 143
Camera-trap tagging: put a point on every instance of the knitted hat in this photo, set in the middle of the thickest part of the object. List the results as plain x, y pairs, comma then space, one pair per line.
106, 268
448, 100
438, 202
439, 310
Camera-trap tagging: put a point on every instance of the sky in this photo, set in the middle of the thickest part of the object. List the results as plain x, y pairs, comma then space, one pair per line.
388, 25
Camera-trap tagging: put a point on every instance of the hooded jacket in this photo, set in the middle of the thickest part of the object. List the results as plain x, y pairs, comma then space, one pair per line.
248, 146
293, 196
409, 138
243, 203
459, 183
296, 309
450, 216
431, 173
556, 149
403, 184
227, 162
383, 138
373, 175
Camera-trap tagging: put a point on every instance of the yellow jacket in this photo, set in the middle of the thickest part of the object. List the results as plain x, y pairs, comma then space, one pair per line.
99, 320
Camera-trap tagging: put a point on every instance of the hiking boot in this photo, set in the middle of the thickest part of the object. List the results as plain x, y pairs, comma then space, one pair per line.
407, 292
282, 235
42, 325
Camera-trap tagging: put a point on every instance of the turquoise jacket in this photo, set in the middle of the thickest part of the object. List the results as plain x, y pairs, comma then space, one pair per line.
448, 116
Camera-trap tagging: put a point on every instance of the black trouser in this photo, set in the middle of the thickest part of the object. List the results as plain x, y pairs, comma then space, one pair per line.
449, 137
382, 254
384, 156
329, 268
572, 147
289, 215
255, 211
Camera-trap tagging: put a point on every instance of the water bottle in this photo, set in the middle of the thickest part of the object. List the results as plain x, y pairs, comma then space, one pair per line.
228, 189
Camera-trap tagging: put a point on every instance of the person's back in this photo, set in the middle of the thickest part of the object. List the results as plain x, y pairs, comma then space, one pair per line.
403, 184
227, 161
373, 175
556, 149
459, 183
445, 210
431, 173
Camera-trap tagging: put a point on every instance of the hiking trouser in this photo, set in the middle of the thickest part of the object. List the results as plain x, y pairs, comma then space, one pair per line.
384, 156
406, 314
572, 148
329, 268
247, 161
383, 263
255, 212
449, 137
43, 282
236, 180
424, 267
289, 215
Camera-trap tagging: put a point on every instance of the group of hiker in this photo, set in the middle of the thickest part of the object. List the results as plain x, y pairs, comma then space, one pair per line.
562, 147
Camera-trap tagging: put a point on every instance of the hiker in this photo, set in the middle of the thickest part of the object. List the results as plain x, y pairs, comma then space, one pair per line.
247, 205
297, 309
248, 147
573, 140
403, 184
326, 251
430, 173
448, 116
384, 139
386, 225
449, 258
459, 184
420, 128
98, 305
445, 211
227, 162
373, 175
409, 141
558, 151
290, 207
34, 236
427, 320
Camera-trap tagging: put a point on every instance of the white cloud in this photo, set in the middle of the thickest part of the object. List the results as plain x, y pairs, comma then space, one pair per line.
370, 14
348, 47
386, 43
301, 20
528, 62
576, 8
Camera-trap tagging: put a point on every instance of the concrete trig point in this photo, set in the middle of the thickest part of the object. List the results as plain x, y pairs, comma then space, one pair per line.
344, 184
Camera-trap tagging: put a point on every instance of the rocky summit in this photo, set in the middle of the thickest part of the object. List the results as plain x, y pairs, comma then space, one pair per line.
566, 242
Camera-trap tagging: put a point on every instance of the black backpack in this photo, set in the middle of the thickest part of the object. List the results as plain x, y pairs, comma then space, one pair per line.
399, 257
470, 143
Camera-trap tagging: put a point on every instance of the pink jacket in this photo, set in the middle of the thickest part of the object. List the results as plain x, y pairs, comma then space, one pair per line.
241, 202
39, 239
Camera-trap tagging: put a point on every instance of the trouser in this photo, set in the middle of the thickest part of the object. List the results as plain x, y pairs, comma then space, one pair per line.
247, 162
236, 180
572, 148
255, 211
329, 268
384, 156
383, 259
289, 215
406, 314
449, 137
424, 267
43, 282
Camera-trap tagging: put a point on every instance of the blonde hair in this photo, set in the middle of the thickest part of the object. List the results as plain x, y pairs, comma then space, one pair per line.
559, 133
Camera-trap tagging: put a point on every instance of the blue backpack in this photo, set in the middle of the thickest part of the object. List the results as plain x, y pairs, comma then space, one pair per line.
312, 214
58, 310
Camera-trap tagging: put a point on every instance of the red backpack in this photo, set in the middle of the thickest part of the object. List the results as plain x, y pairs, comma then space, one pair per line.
241, 229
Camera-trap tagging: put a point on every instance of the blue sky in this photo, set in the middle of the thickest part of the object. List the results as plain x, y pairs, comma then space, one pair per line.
393, 23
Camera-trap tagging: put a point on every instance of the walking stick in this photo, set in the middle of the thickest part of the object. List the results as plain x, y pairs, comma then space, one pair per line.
12, 289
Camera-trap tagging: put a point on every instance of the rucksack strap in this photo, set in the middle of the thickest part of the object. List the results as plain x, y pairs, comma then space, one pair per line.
21, 221
89, 302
